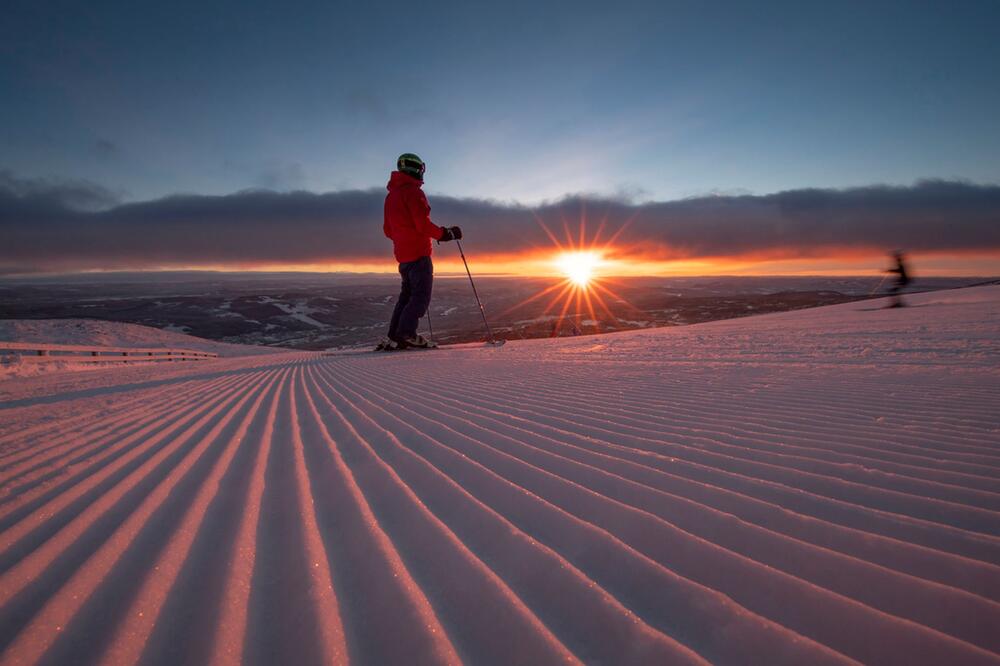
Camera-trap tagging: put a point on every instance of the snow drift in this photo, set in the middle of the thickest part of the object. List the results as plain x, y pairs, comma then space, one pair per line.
818, 486
96, 333
114, 334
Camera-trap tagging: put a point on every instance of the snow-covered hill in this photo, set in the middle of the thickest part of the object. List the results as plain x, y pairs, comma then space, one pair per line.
810, 487
114, 334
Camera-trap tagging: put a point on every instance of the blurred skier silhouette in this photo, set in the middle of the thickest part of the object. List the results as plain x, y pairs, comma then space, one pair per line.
902, 279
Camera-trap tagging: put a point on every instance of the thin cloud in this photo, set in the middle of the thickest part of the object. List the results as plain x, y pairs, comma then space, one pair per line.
33, 198
282, 177
50, 226
105, 150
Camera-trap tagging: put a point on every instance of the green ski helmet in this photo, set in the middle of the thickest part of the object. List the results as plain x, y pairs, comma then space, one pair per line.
411, 164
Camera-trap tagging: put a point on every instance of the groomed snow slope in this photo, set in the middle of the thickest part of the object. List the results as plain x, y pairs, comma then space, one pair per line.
803, 488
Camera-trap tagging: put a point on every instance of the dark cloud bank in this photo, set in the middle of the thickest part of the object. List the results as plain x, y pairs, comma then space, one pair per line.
47, 226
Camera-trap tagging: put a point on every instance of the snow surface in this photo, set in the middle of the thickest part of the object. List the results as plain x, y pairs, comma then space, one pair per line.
299, 311
100, 334
818, 486
115, 334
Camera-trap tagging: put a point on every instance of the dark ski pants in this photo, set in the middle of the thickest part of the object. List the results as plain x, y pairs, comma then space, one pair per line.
414, 298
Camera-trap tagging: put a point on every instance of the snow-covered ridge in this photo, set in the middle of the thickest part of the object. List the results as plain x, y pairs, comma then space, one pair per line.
113, 334
819, 486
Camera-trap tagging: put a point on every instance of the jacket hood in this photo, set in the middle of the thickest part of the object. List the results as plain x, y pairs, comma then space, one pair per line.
399, 179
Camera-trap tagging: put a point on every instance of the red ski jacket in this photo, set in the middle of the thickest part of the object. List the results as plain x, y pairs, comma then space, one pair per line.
408, 218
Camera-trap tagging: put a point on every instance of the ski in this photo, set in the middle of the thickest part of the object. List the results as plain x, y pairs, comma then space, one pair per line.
392, 346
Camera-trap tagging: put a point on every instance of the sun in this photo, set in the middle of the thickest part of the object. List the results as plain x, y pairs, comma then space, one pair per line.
579, 267
583, 263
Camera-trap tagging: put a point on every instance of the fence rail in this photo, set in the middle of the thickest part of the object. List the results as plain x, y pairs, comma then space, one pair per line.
34, 352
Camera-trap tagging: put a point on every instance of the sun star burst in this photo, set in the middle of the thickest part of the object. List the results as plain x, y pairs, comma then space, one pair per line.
579, 267
583, 265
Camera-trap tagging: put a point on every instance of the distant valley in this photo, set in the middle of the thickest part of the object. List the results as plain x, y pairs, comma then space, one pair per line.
326, 311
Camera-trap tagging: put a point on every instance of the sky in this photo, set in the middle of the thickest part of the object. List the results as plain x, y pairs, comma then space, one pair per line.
115, 110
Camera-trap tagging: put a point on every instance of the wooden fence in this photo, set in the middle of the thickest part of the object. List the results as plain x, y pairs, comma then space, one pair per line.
32, 352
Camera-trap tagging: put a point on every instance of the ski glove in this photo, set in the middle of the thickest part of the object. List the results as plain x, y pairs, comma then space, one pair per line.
450, 233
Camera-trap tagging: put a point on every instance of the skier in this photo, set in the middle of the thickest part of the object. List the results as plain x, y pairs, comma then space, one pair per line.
408, 223
902, 279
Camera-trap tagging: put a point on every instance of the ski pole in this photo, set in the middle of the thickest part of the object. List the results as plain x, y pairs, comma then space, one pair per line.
482, 310
430, 327
879, 285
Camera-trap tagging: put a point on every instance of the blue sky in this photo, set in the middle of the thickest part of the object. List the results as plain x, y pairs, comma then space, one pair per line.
509, 101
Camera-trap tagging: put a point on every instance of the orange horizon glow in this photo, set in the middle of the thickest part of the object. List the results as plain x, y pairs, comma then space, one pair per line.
586, 269
617, 263
612, 263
